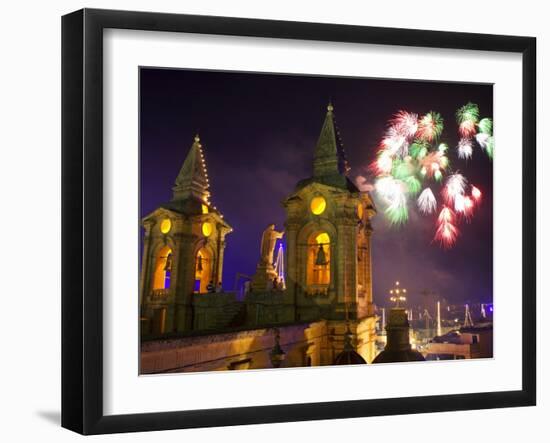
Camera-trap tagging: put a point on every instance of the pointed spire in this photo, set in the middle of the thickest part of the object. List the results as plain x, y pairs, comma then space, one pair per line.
192, 180
329, 154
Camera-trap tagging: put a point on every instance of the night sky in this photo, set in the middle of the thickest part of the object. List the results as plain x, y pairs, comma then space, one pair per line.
259, 133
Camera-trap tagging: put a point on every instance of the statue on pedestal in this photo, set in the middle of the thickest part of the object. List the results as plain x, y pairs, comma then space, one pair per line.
265, 271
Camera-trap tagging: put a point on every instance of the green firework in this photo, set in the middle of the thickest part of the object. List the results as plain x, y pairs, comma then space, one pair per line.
468, 112
413, 184
486, 126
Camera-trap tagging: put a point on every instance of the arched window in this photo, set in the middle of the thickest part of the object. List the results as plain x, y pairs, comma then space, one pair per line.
318, 262
203, 270
163, 269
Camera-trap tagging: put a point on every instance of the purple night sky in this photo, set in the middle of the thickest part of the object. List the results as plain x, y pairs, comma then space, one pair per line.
259, 133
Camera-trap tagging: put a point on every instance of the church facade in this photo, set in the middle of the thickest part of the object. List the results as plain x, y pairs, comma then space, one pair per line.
314, 312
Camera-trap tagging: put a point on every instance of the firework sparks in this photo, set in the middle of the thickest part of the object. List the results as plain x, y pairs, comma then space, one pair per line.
454, 187
394, 193
446, 232
445, 216
397, 211
482, 139
419, 149
430, 126
490, 148
476, 194
467, 117
467, 129
468, 207
485, 126
410, 153
383, 164
465, 148
395, 143
427, 202
413, 184
405, 123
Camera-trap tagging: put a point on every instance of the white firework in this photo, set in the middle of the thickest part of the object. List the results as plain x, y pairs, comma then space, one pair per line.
482, 139
456, 184
465, 148
395, 142
406, 123
460, 203
426, 201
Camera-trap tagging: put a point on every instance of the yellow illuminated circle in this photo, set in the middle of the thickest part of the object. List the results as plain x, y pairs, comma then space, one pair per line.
207, 229
360, 211
165, 226
318, 205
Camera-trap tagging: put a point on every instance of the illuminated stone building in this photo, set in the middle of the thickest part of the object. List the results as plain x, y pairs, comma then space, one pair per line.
328, 237
324, 313
182, 250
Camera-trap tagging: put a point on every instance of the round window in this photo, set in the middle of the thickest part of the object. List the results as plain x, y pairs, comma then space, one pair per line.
318, 205
207, 229
165, 226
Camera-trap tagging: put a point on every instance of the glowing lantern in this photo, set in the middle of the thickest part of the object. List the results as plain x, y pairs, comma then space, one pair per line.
165, 226
318, 205
207, 229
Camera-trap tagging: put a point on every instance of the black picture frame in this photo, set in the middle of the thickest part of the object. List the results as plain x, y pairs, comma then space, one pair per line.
82, 218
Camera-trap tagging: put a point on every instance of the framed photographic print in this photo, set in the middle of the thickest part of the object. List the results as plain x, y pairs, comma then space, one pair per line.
311, 220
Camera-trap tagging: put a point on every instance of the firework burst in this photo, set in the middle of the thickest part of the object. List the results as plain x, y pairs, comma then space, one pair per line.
482, 139
446, 232
406, 123
430, 126
476, 194
454, 187
485, 126
465, 148
427, 202
410, 153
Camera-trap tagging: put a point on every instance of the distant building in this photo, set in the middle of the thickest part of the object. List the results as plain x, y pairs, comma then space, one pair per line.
327, 275
465, 343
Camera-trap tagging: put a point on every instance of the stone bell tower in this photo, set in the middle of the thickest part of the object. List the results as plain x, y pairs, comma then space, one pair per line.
328, 236
182, 250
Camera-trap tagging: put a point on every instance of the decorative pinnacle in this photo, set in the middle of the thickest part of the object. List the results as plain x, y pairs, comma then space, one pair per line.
197, 138
330, 108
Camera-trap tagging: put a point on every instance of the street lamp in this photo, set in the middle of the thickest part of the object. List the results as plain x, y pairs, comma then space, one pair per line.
398, 294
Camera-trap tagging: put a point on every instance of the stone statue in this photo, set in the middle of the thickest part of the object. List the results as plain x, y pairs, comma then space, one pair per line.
269, 238
265, 272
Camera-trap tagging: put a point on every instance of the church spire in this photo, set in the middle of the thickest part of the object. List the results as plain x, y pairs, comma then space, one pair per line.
329, 154
192, 180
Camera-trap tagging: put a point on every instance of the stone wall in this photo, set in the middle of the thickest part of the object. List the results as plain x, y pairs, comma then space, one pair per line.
247, 349
305, 344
